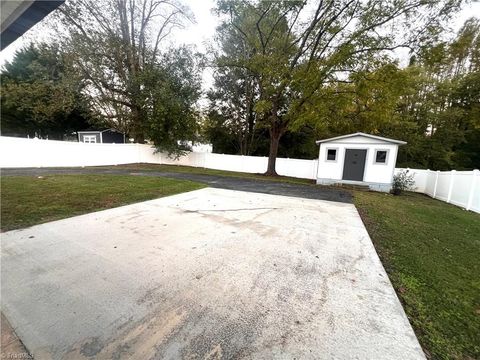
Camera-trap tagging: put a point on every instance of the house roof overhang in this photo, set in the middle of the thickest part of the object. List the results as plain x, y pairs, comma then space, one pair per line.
393, 141
18, 16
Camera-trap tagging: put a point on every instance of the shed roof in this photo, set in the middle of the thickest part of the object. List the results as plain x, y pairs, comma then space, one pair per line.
99, 131
399, 142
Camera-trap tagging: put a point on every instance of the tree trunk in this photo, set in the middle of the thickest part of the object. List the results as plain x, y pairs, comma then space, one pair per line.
275, 135
138, 134
139, 138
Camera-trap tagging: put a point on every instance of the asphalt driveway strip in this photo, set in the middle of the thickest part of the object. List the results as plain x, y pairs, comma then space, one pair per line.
207, 274
216, 181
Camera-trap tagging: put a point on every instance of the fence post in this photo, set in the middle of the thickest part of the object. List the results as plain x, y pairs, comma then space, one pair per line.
472, 189
424, 191
450, 185
436, 183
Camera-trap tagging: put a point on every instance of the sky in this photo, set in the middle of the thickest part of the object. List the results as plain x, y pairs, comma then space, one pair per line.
202, 31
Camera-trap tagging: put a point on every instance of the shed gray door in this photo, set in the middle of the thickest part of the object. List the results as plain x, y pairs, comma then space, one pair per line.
354, 165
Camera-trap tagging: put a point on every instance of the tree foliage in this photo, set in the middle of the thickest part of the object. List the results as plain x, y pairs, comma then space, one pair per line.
136, 84
353, 83
170, 93
439, 113
296, 49
41, 95
233, 97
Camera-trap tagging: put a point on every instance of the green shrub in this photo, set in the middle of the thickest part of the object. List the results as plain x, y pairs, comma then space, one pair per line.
402, 181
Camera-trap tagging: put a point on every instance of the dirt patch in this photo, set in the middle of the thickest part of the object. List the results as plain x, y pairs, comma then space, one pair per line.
11, 346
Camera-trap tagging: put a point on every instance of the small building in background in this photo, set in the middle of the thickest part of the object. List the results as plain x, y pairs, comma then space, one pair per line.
197, 147
358, 159
108, 136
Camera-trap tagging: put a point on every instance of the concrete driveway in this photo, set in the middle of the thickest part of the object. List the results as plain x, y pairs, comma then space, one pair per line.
207, 274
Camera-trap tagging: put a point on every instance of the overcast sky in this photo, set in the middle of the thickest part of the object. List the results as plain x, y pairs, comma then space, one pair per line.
201, 32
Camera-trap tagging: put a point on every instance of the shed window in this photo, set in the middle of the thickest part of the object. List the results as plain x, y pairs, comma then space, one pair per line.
331, 154
381, 156
89, 139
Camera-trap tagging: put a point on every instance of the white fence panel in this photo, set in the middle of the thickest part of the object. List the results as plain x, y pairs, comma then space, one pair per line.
305, 169
461, 188
148, 154
18, 152
430, 183
462, 182
254, 164
189, 159
474, 198
169, 160
197, 159
238, 163
443, 185
421, 177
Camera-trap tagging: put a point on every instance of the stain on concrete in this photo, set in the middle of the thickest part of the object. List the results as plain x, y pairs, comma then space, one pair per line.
91, 347
211, 333
138, 340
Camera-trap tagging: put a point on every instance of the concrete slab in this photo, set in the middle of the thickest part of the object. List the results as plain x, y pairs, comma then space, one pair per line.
209, 274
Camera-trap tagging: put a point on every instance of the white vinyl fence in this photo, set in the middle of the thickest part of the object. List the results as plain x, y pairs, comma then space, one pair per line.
20, 152
461, 188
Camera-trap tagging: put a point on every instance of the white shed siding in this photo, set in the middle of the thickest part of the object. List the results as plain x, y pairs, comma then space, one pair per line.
329, 171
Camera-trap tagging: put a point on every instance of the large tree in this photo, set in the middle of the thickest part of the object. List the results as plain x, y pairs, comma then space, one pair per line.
119, 50
42, 95
232, 109
297, 48
234, 96
439, 113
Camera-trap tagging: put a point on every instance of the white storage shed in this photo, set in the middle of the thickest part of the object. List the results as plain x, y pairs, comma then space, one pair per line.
358, 158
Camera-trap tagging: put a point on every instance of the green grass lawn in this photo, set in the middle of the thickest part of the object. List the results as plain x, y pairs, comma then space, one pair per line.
203, 171
27, 200
431, 251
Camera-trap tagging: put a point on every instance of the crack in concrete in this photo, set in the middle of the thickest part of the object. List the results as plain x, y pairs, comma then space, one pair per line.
226, 210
